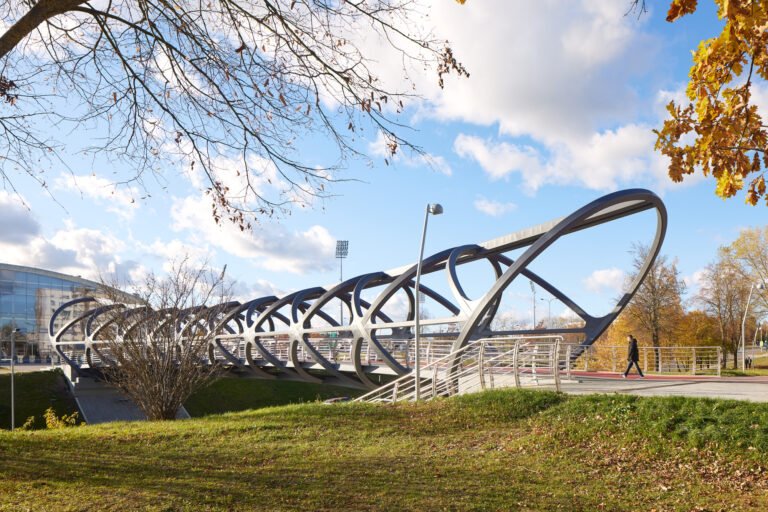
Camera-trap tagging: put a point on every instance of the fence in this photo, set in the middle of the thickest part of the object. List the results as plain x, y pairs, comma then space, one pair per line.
687, 360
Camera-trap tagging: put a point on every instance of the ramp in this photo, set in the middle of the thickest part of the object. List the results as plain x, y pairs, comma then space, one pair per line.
100, 402
483, 364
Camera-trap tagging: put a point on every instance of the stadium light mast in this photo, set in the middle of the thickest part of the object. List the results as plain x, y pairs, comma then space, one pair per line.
342, 251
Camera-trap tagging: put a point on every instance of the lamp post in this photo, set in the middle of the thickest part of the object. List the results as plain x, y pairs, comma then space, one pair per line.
14, 330
434, 209
549, 309
760, 286
342, 251
758, 327
533, 290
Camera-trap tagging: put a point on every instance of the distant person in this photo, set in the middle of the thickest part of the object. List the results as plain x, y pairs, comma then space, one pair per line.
748, 362
633, 356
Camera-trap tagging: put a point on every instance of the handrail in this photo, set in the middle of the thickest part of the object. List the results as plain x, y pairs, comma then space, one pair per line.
475, 366
669, 359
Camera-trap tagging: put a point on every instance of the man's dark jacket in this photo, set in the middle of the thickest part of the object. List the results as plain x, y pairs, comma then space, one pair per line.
634, 353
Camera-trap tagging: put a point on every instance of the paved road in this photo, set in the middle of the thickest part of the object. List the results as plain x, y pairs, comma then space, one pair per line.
5, 367
754, 389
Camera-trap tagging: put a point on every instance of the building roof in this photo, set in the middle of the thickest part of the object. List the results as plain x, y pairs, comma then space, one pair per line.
86, 283
49, 273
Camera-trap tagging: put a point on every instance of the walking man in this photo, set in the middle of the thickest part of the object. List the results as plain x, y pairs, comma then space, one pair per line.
633, 356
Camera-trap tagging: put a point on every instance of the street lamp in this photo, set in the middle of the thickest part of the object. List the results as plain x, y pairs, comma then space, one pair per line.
434, 209
342, 251
533, 290
760, 286
14, 330
549, 309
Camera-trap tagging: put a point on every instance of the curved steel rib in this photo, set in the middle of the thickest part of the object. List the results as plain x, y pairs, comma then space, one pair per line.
297, 336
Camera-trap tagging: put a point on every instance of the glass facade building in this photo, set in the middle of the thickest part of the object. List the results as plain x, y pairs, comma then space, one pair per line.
28, 298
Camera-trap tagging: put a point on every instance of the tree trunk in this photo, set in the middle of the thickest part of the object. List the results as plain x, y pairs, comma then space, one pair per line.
37, 15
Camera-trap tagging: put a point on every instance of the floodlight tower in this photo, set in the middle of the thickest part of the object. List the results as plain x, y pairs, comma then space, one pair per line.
342, 251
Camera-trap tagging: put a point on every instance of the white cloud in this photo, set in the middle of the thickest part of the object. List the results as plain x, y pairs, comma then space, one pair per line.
268, 245
244, 292
89, 253
565, 72
693, 281
379, 147
603, 162
248, 179
558, 80
16, 219
170, 251
608, 279
116, 199
493, 208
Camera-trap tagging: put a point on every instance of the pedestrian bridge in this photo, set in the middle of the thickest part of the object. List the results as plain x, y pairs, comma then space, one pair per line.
298, 336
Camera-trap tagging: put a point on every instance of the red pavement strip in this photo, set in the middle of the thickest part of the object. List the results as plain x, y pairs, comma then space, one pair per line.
663, 378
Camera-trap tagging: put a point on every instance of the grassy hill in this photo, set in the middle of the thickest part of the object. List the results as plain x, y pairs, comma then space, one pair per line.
230, 394
37, 391
500, 450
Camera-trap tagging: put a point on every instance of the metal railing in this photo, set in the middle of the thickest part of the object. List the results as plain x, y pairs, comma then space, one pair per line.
677, 359
483, 364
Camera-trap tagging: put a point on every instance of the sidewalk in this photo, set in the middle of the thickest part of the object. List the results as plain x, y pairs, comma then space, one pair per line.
754, 389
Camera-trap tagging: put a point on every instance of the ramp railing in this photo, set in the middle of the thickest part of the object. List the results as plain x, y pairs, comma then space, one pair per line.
483, 364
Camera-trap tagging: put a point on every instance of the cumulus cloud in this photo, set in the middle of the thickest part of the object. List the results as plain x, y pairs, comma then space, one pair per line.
493, 208
19, 226
118, 200
566, 71
693, 281
268, 245
244, 290
89, 253
248, 179
603, 162
558, 81
608, 279
416, 160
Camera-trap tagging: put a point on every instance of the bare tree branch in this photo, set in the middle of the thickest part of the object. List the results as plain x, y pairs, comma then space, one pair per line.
229, 88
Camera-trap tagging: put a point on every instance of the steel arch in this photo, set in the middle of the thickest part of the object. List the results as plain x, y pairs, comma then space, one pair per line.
291, 336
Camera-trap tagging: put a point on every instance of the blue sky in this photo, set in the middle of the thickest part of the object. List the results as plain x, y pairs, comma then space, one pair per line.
558, 111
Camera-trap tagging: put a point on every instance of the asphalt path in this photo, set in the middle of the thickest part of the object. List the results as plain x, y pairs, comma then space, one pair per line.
754, 389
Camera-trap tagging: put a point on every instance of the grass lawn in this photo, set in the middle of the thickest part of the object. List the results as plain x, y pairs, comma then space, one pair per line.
752, 372
230, 394
500, 450
35, 392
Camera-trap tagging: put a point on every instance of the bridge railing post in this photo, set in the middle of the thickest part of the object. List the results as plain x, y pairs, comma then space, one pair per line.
515, 360
719, 360
556, 363
693, 360
481, 364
